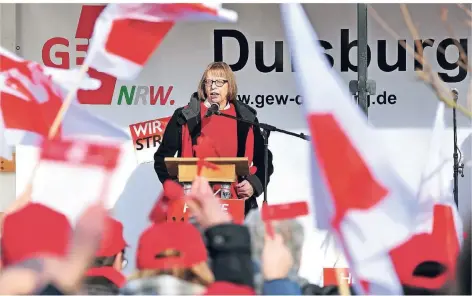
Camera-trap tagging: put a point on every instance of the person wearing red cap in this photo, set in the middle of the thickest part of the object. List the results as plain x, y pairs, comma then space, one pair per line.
105, 277
33, 231
175, 249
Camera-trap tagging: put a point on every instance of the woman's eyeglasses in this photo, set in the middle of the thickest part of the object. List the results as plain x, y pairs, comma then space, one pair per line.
218, 82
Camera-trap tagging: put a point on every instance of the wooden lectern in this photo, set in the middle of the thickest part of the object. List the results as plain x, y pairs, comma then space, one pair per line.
185, 169
8, 166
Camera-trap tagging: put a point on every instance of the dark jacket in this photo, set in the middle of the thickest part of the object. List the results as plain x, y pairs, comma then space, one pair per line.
229, 248
172, 143
99, 285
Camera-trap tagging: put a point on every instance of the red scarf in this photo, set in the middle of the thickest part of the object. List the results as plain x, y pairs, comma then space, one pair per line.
188, 151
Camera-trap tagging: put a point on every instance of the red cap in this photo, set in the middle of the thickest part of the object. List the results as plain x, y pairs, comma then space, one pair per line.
32, 230
182, 237
112, 241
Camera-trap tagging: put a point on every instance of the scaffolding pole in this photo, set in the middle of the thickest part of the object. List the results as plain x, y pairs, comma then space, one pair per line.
362, 56
362, 87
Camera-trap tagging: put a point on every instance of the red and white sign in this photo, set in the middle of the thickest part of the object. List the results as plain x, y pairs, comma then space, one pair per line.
147, 136
71, 175
285, 211
234, 206
330, 278
178, 211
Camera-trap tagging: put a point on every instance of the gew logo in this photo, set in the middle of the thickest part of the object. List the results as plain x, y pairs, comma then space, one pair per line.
57, 52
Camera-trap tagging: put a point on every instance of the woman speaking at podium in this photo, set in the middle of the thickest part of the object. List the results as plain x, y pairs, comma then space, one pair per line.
231, 138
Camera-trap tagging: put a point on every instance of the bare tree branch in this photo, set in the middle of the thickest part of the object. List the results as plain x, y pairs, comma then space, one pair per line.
434, 81
412, 28
386, 27
418, 56
469, 95
442, 91
461, 6
462, 54
427, 75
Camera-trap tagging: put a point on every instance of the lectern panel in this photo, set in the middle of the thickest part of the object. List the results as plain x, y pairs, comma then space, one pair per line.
225, 174
229, 168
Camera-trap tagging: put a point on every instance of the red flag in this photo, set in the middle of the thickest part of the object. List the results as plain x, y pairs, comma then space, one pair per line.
22, 107
335, 151
203, 149
441, 246
172, 191
30, 101
284, 211
357, 193
144, 27
268, 224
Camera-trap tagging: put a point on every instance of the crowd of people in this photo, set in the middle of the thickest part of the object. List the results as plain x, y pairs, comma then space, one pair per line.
209, 253
43, 254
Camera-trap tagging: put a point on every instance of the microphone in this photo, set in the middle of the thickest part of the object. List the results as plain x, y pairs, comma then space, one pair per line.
455, 93
214, 109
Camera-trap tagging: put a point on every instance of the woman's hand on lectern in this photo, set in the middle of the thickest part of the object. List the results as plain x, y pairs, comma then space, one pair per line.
205, 207
244, 190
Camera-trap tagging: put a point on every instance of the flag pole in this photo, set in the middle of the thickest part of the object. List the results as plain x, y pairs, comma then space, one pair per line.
67, 102
57, 121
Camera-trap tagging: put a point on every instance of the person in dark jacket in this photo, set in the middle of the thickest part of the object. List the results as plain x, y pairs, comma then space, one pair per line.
229, 137
105, 277
228, 246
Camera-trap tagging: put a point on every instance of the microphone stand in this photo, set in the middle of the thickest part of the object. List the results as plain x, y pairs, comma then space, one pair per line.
458, 166
266, 130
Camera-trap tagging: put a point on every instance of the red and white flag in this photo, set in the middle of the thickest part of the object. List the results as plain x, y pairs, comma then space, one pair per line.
435, 187
30, 101
143, 26
438, 222
65, 78
73, 175
357, 193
